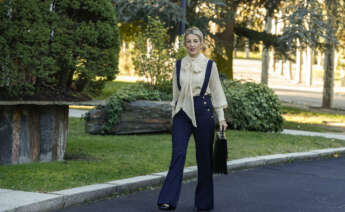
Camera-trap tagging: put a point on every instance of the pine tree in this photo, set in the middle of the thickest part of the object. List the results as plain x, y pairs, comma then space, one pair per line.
56, 49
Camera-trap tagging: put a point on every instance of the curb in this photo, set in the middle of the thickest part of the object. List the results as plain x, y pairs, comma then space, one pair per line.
65, 198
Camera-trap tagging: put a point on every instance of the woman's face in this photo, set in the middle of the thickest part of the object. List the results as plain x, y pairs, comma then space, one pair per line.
193, 45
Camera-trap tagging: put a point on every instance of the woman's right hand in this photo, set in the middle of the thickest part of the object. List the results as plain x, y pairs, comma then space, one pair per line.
223, 125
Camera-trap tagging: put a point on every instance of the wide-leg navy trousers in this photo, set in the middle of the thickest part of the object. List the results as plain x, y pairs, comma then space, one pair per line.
203, 136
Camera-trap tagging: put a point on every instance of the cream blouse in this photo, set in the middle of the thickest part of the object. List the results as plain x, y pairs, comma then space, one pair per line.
192, 77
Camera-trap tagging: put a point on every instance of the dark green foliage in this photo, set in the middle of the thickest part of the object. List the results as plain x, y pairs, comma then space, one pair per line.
25, 61
133, 15
252, 107
113, 110
56, 51
141, 91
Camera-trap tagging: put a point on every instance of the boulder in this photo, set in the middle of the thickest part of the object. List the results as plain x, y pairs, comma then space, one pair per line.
138, 117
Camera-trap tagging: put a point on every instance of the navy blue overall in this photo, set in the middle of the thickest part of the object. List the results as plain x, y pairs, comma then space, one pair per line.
203, 135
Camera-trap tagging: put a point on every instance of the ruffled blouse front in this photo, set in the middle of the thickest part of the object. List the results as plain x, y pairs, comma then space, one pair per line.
192, 76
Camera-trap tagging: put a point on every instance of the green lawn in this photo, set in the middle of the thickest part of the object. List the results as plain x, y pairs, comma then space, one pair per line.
95, 159
110, 88
303, 119
252, 55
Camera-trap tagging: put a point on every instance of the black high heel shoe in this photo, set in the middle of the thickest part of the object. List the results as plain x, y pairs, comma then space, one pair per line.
166, 207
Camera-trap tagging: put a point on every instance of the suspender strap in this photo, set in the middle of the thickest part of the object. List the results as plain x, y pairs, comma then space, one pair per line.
207, 77
178, 70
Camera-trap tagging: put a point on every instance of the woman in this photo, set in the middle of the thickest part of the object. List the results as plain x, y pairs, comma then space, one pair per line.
196, 88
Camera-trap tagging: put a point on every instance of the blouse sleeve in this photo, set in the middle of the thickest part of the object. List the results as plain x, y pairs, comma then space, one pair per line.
174, 89
217, 93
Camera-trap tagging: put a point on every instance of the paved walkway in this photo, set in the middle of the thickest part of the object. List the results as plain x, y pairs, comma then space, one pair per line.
76, 113
340, 136
308, 186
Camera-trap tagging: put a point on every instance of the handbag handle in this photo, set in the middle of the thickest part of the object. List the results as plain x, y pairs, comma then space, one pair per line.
222, 132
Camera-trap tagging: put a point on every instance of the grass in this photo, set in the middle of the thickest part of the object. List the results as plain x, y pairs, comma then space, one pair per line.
252, 55
95, 159
319, 74
312, 127
110, 88
315, 120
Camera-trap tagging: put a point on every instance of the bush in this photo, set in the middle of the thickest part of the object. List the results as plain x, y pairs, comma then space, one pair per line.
252, 107
142, 91
56, 49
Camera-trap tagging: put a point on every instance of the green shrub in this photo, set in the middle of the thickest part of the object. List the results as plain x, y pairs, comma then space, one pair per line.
252, 107
113, 110
56, 49
142, 91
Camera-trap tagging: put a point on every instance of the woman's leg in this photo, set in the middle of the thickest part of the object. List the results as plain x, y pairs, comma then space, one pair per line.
204, 136
181, 132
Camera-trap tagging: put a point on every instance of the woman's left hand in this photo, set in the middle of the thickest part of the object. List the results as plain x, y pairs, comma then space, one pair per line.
223, 124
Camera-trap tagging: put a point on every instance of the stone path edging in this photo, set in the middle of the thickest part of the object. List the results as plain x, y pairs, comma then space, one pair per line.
339, 136
60, 199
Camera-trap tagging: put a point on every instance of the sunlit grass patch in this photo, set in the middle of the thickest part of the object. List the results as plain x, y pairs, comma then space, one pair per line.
315, 121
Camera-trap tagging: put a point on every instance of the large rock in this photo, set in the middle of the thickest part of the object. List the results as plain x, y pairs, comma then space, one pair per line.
138, 117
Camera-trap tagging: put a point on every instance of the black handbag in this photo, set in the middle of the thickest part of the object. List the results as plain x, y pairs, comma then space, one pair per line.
220, 154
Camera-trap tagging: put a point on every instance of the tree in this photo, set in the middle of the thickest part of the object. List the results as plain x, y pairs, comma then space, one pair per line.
270, 7
132, 15
318, 24
153, 55
56, 50
224, 38
328, 85
304, 22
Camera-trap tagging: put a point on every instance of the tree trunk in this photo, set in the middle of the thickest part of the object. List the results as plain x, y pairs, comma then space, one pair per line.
298, 75
271, 68
328, 85
235, 47
247, 48
319, 58
288, 74
224, 53
281, 66
265, 53
273, 60
309, 67
264, 65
